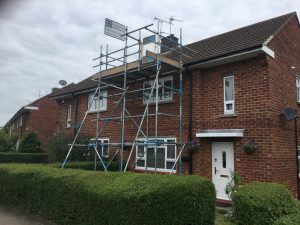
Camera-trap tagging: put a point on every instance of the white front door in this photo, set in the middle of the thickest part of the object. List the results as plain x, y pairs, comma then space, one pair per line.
222, 166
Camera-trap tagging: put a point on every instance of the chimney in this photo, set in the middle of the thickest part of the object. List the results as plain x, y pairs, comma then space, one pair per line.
170, 42
55, 89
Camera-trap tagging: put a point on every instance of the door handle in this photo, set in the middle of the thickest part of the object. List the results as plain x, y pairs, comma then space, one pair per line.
216, 170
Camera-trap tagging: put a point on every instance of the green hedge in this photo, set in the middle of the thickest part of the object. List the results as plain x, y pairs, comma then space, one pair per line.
262, 203
114, 166
292, 219
95, 198
16, 157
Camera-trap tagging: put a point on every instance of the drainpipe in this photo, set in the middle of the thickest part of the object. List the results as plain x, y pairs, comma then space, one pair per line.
190, 119
76, 112
297, 161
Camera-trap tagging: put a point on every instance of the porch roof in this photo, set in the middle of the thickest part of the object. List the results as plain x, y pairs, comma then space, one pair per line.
220, 133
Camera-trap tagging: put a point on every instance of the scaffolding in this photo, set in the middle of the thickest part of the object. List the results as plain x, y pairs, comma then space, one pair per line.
118, 71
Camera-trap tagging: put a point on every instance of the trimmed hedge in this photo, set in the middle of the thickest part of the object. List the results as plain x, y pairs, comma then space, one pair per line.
292, 219
262, 203
95, 198
16, 157
114, 166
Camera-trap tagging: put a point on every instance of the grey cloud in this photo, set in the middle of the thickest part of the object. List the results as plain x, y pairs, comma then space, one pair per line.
42, 42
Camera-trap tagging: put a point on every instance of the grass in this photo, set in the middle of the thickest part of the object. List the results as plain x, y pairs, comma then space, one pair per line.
221, 219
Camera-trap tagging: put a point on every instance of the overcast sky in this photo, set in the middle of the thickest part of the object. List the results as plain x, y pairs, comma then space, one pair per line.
42, 42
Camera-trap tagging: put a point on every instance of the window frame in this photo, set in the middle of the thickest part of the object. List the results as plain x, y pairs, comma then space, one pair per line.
162, 80
232, 111
101, 140
166, 160
104, 100
298, 88
69, 116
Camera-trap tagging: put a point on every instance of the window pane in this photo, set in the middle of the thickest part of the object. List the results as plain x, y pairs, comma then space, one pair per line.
228, 88
171, 153
224, 159
105, 148
167, 91
91, 97
140, 152
160, 90
170, 165
141, 163
150, 157
229, 107
160, 161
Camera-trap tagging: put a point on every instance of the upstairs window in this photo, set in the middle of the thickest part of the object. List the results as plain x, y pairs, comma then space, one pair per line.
69, 116
20, 122
165, 92
99, 102
229, 95
298, 89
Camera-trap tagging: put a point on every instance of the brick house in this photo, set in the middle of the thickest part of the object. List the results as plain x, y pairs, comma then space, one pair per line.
39, 116
235, 90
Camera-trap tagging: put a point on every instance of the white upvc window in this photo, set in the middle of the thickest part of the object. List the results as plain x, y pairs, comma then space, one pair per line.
229, 106
69, 114
20, 121
165, 156
165, 92
298, 89
98, 102
103, 147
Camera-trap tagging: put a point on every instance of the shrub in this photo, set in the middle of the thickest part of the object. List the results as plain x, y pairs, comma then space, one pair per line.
59, 147
89, 165
292, 219
262, 203
30, 143
7, 143
96, 198
16, 157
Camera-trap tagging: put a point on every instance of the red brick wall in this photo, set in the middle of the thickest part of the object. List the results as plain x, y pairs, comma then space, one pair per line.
251, 102
42, 121
286, 45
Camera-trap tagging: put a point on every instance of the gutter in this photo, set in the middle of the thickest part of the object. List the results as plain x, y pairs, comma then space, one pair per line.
232, 57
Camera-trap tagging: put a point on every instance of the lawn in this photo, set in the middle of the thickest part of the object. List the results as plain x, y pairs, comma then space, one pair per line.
221, 219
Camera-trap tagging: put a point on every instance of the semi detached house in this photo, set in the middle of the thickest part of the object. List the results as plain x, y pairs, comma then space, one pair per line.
235, 89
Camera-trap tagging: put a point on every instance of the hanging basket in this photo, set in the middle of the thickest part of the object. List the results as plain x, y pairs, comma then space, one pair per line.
250, 147
193, 146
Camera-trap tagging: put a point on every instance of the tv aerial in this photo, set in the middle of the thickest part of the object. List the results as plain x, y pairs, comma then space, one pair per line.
62, 83
170, 22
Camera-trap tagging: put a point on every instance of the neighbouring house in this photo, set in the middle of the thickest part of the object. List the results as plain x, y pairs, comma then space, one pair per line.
234, 90
39, 116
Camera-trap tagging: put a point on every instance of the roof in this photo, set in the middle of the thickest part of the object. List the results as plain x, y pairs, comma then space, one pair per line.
236, 41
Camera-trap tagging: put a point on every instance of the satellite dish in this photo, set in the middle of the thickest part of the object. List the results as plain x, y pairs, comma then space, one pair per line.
290, 114
62, 82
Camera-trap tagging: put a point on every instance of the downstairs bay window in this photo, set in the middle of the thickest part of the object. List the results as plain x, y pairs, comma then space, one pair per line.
165, 156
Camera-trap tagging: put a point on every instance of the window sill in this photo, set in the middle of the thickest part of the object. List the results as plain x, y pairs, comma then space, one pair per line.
92, 112
143, 169
228, 115
160, 102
